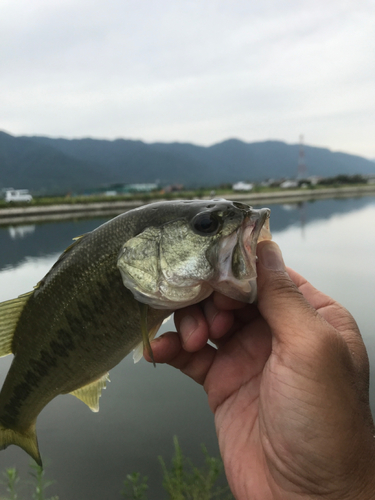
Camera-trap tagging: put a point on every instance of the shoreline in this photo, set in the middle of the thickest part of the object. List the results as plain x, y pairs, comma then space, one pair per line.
18, 215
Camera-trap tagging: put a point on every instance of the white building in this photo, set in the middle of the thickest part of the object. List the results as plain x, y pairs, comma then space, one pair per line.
14, 195
242, 186
289, 184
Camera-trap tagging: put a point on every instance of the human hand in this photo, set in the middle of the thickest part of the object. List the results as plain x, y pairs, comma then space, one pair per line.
288, 385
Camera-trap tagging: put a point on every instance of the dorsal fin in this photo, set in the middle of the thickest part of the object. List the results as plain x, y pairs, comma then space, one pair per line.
91, 393
10, 311
72, 245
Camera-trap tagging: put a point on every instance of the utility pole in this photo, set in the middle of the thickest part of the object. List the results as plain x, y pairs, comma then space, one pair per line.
302, 168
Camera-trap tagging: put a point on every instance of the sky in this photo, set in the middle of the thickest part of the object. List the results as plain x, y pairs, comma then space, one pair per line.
198, 71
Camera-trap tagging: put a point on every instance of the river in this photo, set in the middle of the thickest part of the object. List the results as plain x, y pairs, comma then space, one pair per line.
330, 242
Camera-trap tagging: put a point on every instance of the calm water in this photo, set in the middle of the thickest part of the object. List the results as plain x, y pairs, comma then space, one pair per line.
330, 242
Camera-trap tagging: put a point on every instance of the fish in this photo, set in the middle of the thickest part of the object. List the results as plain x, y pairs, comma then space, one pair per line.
109, 292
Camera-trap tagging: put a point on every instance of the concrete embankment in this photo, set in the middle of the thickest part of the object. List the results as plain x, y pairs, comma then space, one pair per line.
19, 215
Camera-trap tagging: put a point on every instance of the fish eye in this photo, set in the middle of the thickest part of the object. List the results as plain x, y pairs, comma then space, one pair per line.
206, 224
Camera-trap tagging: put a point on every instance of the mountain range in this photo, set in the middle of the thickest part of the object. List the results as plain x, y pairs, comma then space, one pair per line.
55, 165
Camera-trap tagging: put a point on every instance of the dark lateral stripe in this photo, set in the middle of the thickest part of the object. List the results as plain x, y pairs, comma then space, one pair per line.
40, 368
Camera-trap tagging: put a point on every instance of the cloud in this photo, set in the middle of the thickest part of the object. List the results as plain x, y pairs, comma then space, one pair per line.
191, 70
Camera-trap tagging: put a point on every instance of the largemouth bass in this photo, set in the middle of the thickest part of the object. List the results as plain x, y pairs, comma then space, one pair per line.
109, 292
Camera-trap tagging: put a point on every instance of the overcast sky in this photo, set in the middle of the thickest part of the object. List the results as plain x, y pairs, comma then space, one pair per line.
191, 70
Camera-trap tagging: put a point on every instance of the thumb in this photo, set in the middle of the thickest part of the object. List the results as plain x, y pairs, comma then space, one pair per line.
281, 304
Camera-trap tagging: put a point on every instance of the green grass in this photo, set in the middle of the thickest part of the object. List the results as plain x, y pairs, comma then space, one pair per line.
182, 480
13, 484
11, 479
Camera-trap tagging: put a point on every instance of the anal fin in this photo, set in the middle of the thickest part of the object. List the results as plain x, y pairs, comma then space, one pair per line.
91, 393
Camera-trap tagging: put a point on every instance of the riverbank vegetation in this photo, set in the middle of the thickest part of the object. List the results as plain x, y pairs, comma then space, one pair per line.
182, 480
17, 489
224, 190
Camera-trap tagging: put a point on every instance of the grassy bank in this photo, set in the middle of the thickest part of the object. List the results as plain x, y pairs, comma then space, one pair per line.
50, 209
227, 192
140, 197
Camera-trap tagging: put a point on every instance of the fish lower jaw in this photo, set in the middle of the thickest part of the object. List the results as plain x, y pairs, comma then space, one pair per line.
174, 297
242, 290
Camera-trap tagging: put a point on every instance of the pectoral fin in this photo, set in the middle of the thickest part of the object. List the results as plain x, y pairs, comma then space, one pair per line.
145, 333
91, 393
10, 311
138, 351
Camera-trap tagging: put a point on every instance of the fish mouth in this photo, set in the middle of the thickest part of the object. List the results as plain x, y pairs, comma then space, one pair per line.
237, 257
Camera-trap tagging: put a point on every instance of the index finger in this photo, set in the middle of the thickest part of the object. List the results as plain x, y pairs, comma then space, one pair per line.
333, 312
192, 326
321, 302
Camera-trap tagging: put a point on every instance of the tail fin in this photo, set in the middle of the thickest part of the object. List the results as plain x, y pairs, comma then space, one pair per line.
26, 440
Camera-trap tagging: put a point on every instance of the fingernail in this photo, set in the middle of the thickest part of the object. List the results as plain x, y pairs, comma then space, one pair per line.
188, 326
270, 257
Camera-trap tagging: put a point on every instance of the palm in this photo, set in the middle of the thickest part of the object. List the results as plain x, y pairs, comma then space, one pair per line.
237, 406
280, 401
236, 385
267, 399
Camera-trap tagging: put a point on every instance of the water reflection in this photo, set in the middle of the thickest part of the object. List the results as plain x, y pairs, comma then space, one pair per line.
49, 238
46, 239
21, 231
301, 209
300, 214
331, 242
24, 276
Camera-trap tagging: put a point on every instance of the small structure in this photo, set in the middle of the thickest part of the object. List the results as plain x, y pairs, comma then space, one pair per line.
173, 188
289, 184
314, 179
146, 187
17, 195
242, 186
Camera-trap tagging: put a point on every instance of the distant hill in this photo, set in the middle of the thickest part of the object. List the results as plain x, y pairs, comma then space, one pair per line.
43, 164
26, 163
